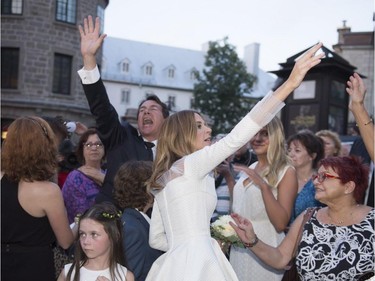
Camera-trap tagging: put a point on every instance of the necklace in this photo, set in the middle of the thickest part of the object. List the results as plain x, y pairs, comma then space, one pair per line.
341, 221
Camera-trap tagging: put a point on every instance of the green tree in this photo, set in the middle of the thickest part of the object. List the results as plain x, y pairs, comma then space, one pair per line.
219, 92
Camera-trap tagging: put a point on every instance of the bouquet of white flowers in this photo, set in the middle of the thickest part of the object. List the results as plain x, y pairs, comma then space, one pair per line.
221, 230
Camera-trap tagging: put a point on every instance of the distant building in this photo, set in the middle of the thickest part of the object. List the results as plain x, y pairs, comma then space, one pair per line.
131, 70
358, 49
40, 56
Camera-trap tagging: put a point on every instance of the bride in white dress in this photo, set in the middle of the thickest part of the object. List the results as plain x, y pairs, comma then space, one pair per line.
184, 189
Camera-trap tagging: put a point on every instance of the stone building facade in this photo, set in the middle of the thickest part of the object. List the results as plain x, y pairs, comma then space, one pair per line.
40, 56
358, 49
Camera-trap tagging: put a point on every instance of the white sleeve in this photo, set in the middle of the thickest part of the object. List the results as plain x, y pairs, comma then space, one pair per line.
157, 239
263, 112
89, 76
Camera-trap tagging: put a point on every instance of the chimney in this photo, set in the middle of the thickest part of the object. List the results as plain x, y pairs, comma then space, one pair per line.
251, 58
342, 31
206, 47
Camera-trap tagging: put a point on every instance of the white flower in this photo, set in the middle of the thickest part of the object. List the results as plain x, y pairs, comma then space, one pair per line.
223, 231
222, 223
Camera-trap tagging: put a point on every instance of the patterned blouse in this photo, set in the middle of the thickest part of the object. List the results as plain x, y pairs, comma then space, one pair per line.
79, 192
329, 252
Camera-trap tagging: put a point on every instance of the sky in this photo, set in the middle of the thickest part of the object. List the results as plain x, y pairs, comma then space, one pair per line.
281, 27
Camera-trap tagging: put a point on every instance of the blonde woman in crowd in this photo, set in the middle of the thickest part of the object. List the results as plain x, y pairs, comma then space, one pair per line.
332, 142
265, 193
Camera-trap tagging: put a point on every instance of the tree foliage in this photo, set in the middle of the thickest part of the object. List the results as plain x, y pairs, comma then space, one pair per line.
219, 92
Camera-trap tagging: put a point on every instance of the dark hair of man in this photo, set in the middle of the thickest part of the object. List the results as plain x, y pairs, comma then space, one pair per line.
164, 107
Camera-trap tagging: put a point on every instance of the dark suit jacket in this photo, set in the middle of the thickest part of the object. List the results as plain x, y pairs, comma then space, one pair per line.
138, 253
121, 140
359, 149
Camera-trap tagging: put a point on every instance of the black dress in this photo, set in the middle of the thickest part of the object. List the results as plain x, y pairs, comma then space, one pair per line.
26, 241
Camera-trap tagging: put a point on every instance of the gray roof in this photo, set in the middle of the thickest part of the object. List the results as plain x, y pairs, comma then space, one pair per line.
161, 58
139, 54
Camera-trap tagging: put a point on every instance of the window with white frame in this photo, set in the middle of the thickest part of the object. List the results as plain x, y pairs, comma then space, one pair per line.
148, 69
125, 96
193, 74
125, 66
171, 102
171, 72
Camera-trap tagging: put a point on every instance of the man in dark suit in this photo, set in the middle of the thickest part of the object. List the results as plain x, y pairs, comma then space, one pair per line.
132, 197
122, 141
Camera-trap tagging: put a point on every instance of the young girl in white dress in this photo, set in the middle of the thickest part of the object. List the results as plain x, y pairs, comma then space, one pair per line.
98, 251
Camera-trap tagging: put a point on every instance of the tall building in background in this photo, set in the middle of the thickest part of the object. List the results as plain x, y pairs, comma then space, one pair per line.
40, 56
358, 49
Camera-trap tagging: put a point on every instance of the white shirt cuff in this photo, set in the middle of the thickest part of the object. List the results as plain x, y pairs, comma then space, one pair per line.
89, 76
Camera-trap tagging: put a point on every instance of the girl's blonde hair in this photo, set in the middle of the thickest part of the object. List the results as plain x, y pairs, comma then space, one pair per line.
176, 140
276, 153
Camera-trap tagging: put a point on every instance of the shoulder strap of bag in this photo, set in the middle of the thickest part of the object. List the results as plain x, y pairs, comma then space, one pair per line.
306, 217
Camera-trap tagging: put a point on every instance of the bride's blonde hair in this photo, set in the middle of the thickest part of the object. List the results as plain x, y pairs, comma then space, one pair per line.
176, 140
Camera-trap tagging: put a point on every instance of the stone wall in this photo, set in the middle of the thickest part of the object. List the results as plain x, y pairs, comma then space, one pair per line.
39, 36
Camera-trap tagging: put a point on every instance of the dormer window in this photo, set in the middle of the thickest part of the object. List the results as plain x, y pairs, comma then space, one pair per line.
171, 73
125, 66
193, 74
148, 70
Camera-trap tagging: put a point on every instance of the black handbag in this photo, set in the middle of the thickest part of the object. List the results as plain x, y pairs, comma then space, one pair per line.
291, 273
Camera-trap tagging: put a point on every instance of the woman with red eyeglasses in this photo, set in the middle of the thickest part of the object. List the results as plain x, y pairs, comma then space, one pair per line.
337, 242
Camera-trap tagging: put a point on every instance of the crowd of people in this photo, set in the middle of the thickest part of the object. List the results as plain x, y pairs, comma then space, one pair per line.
139, 202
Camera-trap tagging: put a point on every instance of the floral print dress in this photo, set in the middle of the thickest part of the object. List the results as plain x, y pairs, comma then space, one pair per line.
329, 252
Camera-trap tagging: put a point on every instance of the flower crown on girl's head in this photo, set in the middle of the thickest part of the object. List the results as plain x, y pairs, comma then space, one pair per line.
105, 215
111, 215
